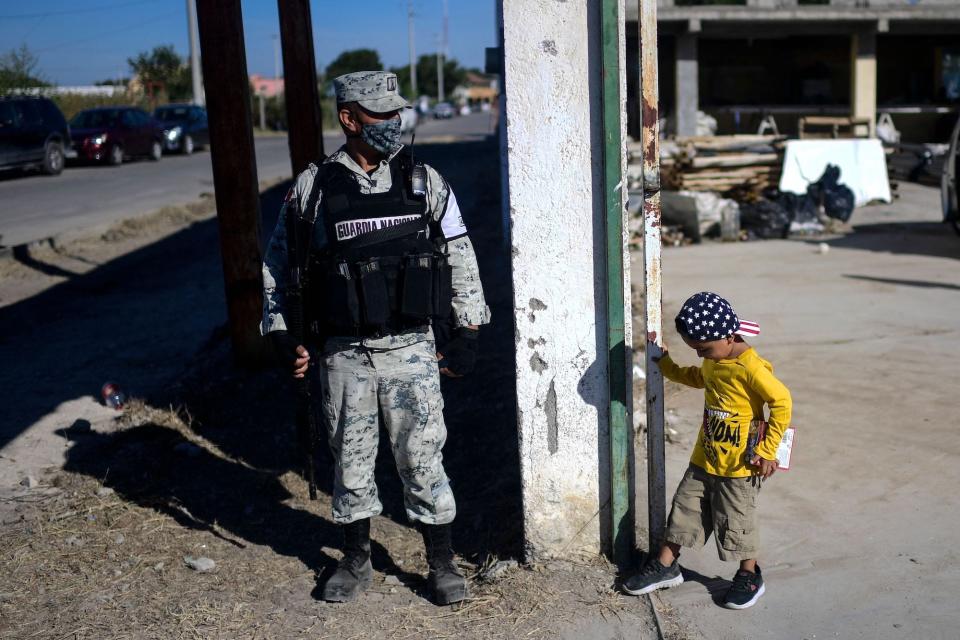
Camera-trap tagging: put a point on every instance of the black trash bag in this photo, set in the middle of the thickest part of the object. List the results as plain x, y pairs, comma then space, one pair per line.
765, 219
801, 208
838, 199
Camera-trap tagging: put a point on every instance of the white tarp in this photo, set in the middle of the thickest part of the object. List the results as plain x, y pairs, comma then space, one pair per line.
863, 166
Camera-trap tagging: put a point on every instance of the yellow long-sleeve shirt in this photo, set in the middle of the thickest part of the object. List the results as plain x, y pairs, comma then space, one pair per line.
734, 394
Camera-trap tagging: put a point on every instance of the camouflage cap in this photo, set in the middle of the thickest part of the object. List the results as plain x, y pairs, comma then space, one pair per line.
374, 90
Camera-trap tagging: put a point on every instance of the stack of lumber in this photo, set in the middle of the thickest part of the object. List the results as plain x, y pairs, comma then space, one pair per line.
746, 163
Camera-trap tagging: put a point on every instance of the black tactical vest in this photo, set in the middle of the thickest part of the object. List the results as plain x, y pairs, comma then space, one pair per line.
382, 271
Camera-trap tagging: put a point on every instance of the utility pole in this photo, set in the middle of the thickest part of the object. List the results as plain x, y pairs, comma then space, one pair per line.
413, 55
439, 72
301, 94
263, 112
441, 55
234, 172
195, 71
276, 56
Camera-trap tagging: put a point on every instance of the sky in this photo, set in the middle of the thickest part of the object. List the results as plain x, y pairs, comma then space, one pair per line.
80, 42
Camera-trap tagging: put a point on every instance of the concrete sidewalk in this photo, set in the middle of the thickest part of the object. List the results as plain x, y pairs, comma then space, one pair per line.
859, 537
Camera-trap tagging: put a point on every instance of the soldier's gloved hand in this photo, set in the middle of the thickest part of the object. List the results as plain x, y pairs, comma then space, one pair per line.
289, 352
460, 354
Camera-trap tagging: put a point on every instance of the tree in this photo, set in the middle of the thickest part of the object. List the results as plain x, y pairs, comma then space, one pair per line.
453, 74
18, 70
351, 61
164, 66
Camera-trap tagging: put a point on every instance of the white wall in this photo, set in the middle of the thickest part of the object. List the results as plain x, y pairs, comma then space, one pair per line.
553, 155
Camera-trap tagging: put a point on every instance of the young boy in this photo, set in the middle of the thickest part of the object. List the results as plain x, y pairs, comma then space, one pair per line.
718, 493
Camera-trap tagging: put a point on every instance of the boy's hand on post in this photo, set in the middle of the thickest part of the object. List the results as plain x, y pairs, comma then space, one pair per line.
767, 467
652, 339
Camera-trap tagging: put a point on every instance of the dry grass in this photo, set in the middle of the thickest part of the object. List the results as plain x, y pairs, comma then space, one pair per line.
80, 562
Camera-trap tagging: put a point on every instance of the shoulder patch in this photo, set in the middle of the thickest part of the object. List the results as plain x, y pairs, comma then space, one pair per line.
451, 224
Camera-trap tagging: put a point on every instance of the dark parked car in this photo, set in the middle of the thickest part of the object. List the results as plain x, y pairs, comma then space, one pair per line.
33, 132
112, 134
184, 127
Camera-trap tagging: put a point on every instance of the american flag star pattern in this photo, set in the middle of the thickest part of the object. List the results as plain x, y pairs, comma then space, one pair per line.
706, 316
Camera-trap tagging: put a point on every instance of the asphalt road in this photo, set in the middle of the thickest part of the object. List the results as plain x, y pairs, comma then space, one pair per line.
35, 207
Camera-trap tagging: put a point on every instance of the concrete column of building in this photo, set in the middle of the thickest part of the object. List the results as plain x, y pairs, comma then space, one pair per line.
688, 92
863, 75
554, 156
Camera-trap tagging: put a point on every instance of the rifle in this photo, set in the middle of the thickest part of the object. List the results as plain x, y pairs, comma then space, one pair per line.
299, 235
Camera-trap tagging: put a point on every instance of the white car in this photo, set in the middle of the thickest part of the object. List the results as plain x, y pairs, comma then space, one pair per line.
408, 120
949, 192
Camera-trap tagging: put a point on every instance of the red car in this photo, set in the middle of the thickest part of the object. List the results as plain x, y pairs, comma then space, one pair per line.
112, 134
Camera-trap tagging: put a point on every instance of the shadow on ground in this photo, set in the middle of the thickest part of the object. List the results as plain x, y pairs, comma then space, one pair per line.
154, 321
934, 239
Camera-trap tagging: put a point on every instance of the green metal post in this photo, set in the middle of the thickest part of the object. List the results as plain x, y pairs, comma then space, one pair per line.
620, 438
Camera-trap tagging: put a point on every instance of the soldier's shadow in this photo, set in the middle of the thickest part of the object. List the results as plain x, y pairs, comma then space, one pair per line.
157, 467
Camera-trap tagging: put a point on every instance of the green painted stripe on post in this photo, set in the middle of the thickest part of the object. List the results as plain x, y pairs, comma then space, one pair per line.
622, 529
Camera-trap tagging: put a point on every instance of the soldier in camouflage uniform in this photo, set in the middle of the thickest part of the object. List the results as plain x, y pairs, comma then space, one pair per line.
392, 373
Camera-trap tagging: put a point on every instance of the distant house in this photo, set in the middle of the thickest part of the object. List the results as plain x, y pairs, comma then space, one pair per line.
477, 88
267, 87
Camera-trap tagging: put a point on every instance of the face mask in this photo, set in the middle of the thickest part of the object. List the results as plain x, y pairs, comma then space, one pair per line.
382, 136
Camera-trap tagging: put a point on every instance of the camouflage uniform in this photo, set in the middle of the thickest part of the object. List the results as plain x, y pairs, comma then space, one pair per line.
395, 376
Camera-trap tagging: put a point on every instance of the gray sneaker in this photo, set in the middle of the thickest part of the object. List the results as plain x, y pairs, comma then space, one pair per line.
653, 576
745, 591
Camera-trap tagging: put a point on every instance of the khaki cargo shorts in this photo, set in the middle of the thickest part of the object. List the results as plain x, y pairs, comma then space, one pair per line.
726, 507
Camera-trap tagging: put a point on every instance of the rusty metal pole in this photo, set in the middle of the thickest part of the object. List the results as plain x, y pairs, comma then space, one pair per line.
227, 89
650, 140
300, 93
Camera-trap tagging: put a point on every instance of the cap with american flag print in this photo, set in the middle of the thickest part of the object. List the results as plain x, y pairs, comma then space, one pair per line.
706, 316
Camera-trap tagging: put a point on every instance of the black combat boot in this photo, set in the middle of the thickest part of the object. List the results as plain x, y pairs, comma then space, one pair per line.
446, 581
354, 572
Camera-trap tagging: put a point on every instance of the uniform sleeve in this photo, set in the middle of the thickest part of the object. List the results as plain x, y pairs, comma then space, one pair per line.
276, 272
778, 399
690, 376
469, 304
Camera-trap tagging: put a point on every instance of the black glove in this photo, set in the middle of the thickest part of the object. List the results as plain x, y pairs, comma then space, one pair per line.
284, 347
460, 354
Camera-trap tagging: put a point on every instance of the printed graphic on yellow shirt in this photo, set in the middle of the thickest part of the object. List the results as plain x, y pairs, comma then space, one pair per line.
719, 435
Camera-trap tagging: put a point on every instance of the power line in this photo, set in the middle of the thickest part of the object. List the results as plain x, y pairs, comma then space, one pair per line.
46, 14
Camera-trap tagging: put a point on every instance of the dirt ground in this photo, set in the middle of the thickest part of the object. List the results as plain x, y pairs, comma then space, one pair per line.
203, 462
859, 537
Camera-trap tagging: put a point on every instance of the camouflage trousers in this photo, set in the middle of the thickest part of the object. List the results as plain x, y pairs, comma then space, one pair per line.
360, 384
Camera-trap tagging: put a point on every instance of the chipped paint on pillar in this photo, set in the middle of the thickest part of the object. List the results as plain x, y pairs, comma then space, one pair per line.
552, 117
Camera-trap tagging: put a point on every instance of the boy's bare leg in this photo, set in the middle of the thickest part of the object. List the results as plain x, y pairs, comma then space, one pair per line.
749, 565
668, 553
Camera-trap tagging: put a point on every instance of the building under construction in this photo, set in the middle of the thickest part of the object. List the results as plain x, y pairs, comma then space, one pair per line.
744, 61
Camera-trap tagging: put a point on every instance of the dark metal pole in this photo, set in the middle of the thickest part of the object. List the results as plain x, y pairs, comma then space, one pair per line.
649, 119
227, 89
622, 526
302, 98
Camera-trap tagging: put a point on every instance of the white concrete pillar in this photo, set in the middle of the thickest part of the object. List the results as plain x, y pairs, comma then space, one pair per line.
687, 86
863, 75
553, 151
